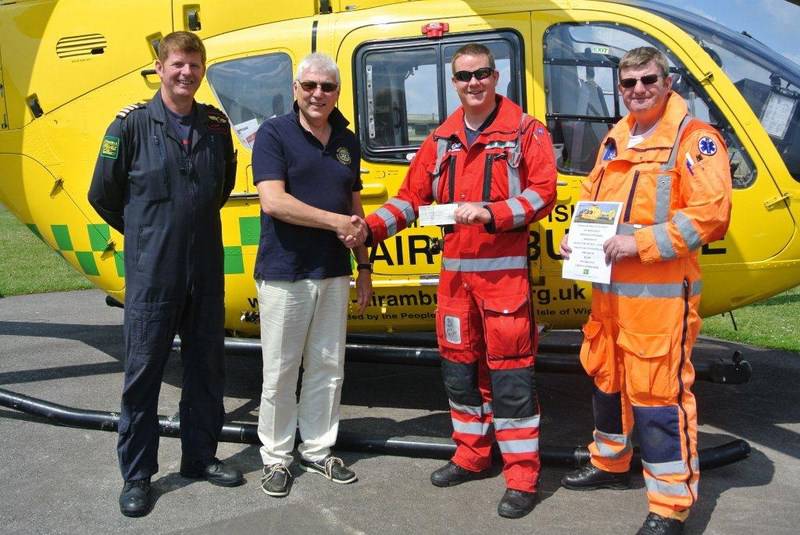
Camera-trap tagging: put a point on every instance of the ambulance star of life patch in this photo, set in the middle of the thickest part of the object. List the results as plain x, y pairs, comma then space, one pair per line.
707, 146
110, 147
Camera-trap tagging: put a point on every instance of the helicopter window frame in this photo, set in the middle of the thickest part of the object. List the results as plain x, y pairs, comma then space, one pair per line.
264, 102
363, 87
595, 60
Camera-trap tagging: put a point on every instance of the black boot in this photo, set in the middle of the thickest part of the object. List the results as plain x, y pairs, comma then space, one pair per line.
134, 500
214, 471
451, 475
656, 524
589, 477
516, 503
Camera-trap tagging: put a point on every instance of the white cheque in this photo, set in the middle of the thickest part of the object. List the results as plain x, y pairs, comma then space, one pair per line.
437, 214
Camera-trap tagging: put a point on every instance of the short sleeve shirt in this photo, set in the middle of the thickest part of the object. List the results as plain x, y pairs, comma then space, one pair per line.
321, 176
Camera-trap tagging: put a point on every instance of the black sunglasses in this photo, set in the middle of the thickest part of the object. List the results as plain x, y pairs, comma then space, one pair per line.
480, 74
647, 79
327, 87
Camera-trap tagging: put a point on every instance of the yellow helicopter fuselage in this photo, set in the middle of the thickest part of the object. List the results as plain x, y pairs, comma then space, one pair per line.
68, 66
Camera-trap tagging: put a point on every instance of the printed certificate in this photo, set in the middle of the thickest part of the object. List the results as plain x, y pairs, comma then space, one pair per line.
437, 214
592, 224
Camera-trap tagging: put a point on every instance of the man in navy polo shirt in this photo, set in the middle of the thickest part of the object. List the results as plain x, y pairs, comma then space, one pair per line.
306, 167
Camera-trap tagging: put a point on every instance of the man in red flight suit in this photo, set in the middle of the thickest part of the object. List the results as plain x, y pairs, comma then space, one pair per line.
497, 164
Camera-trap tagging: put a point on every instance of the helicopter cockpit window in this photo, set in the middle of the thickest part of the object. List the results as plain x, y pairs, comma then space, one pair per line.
251, 90
583, 101
404, 90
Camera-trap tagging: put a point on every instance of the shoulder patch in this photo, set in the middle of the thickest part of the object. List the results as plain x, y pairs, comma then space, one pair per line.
706, 145
110, 147
129, 108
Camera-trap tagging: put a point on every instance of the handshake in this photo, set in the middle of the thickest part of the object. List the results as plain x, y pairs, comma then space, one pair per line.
352, 231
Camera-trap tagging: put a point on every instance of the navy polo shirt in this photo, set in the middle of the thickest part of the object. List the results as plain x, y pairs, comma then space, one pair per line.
321, 176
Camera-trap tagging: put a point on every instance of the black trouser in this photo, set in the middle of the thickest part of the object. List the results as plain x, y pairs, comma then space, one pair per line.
149, 329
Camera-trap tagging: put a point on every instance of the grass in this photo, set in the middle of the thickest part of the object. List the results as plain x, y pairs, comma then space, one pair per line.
770, 323
28, 265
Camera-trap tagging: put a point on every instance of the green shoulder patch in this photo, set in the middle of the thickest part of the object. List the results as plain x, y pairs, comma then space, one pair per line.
110, 147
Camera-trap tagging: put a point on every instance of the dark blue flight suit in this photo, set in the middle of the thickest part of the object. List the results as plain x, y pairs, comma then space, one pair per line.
166, 201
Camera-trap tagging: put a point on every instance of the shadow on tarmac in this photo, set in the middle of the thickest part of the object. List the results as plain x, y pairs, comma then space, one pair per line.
760, 411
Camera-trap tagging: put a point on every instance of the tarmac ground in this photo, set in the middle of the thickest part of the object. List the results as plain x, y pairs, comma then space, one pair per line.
66, 348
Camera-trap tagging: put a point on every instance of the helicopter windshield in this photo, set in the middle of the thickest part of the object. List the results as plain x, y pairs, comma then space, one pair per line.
769, 82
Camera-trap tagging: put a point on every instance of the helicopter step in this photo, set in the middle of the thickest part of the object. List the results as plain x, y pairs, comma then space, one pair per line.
558, 352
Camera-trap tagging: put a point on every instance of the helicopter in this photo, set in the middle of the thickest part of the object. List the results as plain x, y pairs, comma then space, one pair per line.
68, 66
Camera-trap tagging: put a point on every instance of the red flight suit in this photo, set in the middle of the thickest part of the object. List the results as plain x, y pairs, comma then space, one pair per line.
484, 319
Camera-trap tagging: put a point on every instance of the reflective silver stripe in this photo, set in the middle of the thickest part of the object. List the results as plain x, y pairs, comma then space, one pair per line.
695, 465
517, 212
663, 191
485, 264
501, 145
388, 219
687, 230
667, 489
471, 428
534, 198
441, 150
487, 408
606, 450
501, 424
530, 445
668, 468
405, 207
663, 242
651, 289
467, 409
673, 155
626, 229
514, 186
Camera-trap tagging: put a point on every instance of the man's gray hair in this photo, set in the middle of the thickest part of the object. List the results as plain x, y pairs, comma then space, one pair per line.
318, 62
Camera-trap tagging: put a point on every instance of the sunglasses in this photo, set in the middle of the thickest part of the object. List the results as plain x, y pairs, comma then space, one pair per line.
327, 87
480, 74
647, 79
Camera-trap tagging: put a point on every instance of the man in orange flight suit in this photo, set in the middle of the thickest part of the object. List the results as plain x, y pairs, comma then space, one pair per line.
672, 174
497, 163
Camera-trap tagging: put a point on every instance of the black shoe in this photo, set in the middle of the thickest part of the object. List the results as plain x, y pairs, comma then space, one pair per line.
451, 475
516, 503
331, 467
214, 471
589, 477
656, 524
134, 500
276, 480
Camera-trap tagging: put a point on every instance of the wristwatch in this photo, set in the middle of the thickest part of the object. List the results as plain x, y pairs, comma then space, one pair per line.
365, 266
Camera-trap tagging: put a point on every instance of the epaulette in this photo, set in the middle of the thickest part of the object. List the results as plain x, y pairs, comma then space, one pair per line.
216, 115
129, 108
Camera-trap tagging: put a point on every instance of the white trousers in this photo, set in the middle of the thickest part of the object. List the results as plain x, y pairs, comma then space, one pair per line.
302, 321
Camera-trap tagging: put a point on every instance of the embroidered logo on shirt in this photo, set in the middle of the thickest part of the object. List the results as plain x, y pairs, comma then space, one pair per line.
343, 155
110, 147
707, 146
452, 329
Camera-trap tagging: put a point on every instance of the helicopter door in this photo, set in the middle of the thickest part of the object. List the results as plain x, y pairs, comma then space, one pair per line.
582, 102
400, 85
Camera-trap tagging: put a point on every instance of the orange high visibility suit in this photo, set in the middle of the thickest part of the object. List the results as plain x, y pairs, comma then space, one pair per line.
676, 190
484, 319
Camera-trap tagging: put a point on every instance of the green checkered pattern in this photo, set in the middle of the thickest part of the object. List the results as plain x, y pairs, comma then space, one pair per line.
249, 232
100, 234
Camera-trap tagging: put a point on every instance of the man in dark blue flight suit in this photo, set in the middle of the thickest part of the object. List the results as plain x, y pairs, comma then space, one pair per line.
164, 170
